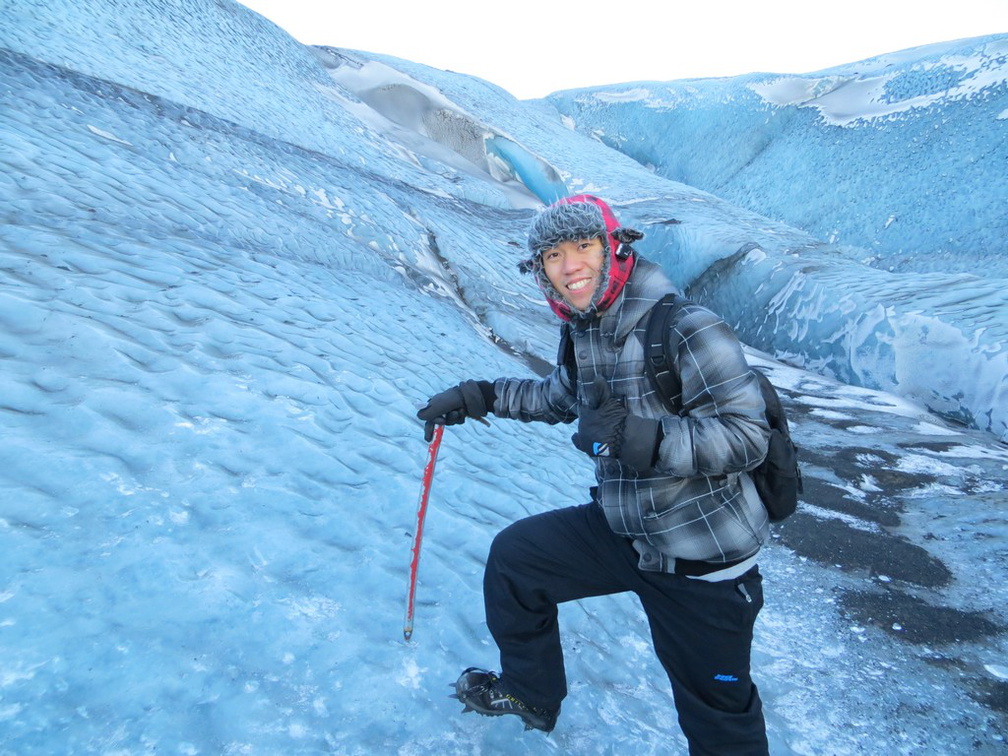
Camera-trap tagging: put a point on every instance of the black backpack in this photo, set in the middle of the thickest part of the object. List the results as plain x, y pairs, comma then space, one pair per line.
777, 478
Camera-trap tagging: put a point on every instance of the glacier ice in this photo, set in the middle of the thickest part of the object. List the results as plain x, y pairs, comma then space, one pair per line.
221, 304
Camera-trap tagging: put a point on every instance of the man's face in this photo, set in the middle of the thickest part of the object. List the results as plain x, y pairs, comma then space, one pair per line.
575, 269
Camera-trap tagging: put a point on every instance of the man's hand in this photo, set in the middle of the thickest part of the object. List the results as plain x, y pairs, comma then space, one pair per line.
606, 429
451, 407
600, 421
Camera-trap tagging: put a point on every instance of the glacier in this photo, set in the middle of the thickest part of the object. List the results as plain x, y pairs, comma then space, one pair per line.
231, 267
897, 164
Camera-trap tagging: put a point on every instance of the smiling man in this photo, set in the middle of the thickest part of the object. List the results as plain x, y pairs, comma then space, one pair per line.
668, 518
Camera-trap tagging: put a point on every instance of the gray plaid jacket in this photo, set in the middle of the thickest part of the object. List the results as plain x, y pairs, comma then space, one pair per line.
690, 506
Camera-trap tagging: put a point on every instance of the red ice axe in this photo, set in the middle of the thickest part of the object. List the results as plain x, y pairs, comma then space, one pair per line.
428, 475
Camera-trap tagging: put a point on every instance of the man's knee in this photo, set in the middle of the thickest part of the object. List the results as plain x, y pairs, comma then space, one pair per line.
513, 544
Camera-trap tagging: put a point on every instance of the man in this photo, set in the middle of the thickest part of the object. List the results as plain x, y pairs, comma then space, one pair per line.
668, 518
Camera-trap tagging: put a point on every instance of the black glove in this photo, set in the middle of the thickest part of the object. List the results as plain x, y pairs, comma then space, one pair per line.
469, 399
606, 429
600, 421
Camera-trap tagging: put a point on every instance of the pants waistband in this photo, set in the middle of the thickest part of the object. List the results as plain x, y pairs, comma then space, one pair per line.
692, 568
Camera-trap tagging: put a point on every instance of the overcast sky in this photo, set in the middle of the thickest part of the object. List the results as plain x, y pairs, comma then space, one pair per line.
534, 47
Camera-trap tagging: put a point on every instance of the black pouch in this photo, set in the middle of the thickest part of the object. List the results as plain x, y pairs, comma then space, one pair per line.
778, 479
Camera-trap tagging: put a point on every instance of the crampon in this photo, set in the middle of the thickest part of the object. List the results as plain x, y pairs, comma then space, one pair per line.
483, 691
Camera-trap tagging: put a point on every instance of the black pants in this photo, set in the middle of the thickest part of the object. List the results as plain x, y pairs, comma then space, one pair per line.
702, 631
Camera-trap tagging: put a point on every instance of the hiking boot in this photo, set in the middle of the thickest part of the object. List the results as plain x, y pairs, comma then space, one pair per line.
484, 692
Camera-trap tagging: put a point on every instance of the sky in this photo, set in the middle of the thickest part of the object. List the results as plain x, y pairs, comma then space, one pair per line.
532, 48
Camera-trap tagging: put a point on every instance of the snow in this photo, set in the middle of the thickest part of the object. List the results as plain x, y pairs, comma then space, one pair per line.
231, 269
938, 74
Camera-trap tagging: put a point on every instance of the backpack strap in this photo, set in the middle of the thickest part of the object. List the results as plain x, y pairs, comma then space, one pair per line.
565, 355
658, 362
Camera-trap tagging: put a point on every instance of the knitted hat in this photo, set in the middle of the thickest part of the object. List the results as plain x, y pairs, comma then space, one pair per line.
581, 217
568, 222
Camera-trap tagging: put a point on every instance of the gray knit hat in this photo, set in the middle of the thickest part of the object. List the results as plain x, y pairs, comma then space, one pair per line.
566, 222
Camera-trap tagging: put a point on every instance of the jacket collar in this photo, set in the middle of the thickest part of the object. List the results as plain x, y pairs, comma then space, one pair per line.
644, 287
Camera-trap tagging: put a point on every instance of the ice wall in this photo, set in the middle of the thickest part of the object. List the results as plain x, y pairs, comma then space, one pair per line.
902, 155
895, 165
936, 338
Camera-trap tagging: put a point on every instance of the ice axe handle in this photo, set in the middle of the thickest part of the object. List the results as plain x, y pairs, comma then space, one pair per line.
428, 475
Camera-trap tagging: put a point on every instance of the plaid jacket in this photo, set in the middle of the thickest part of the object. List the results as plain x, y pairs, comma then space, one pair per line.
690, 506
